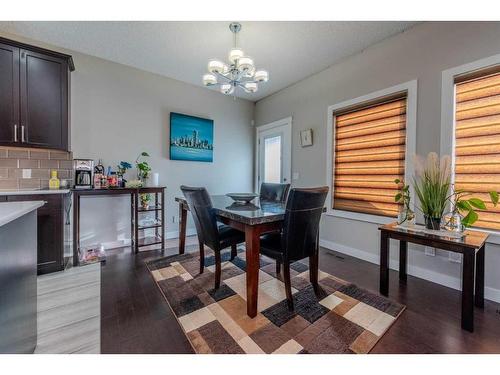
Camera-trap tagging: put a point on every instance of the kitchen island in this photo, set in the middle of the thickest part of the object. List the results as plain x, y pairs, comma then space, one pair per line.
18, 272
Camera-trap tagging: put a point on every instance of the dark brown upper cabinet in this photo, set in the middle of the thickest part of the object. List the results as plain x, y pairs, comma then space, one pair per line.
34, 85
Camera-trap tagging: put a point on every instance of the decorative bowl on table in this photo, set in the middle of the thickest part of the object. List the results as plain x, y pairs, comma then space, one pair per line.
242, 197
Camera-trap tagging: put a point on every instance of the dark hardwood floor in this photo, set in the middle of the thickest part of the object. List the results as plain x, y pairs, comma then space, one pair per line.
136, 319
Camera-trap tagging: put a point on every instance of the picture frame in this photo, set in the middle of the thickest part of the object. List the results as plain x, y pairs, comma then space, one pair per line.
191, 138
306, 138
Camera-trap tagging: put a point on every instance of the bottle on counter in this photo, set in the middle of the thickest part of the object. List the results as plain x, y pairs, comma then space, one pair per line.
54, 182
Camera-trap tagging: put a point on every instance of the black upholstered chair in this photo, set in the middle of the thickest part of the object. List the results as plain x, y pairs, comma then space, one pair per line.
216, 236
274, 192
299, 236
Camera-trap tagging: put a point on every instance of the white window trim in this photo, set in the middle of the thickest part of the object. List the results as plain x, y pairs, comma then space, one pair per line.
411, 125
448, 115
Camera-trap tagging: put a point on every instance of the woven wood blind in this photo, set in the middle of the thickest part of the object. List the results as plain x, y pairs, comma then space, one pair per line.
477, 142
369, 156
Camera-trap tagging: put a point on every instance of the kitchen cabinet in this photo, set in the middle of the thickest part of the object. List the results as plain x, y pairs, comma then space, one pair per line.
50, 226
34, 84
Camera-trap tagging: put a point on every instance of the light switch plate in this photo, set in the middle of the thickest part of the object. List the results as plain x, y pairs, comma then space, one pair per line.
26, 173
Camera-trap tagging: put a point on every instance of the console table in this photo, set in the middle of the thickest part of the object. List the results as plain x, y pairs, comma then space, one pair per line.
471, 246
135, 210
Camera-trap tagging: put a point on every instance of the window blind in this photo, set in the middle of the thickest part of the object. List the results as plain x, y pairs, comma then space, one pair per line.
369, 155
477, 142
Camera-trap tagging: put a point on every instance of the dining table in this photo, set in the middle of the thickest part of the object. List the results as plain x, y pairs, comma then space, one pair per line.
254, 219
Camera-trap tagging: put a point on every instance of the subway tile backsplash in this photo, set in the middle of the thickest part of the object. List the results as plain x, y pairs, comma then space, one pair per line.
14, 159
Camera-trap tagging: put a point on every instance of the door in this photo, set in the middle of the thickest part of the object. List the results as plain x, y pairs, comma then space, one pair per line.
274, 152
44, 100
9, 94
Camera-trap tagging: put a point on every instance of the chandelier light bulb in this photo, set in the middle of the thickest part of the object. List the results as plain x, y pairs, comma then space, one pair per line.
216, 66
226, 88
249, 73
261, 76
245, 63
235, 54
209, 80
251, 86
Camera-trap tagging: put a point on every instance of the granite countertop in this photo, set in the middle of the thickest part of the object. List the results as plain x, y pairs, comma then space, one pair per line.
34, 192
10, 211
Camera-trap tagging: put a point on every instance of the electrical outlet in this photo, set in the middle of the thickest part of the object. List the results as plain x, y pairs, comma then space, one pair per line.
26, 173
173, 219
454, 257
295, 176
430, 251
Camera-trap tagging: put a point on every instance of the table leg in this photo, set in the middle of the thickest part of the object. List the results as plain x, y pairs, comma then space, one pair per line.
136, 220
384, 263
252, 242
468, 291
76, 227
132, 221
403, 260
182, 228
163, 208
479, 295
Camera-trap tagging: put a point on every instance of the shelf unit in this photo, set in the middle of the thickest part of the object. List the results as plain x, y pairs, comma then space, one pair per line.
159, 214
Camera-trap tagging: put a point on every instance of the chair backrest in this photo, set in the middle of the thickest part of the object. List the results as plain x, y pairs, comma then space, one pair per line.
274, 192
301, 223
200, 205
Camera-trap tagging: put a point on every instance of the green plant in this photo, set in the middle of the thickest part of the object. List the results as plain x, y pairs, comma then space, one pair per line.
466, 207
122, 167
145, 199
403, 196
143, 168
432, 184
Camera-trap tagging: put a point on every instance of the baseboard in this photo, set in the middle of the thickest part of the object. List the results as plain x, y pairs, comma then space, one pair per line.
491, 294
175, 233
126, 242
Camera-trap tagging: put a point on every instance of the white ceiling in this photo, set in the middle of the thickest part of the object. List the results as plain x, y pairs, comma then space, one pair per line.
290, 51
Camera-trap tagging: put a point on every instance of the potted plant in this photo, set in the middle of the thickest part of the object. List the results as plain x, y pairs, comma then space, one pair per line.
143, 168
145, 199
432, 186
121, 170
406, 215
432, 183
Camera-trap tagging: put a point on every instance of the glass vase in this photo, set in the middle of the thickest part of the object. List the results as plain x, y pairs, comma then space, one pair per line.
433, 223
455, 223
406, 217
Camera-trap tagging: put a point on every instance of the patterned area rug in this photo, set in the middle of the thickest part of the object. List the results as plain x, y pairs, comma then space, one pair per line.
341, 319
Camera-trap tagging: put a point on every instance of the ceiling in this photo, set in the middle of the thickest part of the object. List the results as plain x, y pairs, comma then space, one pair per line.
290, 51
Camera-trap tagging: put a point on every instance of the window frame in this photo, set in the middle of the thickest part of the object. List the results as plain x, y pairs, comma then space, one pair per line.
410, 88
448, 108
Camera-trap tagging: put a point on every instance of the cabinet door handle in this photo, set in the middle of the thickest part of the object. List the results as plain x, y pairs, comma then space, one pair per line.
15, 132
22, 133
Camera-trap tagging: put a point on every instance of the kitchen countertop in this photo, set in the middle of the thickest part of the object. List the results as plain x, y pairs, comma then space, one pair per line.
10, 211
34, 192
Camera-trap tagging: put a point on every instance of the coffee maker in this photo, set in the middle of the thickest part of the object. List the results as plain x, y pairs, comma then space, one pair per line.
84, 173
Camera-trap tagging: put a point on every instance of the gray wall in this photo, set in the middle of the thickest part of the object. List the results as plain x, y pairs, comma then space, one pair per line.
421, 53
118, 111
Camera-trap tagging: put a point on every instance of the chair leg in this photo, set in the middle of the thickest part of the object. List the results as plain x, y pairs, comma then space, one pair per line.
313, 270
202, 256
218, 270
234, 251
288, 284
278, 267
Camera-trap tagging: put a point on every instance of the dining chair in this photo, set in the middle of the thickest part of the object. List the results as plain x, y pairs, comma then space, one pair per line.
274, 192
299, 237
216, 236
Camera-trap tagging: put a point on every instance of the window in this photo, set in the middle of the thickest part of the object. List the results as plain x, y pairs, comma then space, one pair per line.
369, 154
477, 139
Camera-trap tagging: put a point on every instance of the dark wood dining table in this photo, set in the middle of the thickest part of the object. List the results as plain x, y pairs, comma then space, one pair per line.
253, 219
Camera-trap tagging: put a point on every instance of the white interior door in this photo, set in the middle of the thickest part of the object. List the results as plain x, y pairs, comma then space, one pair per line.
274, 148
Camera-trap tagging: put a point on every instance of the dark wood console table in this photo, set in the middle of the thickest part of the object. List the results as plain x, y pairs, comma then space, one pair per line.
471, 246
135, 209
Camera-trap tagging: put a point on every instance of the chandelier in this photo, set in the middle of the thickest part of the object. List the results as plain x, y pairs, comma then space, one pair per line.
240, 72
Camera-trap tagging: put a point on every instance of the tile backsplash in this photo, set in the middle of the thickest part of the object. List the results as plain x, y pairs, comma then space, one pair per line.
39, 162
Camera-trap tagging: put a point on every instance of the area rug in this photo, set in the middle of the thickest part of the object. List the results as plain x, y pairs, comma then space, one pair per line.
342, 318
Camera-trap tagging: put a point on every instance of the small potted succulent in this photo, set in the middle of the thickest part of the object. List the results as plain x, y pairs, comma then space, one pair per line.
145, 200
